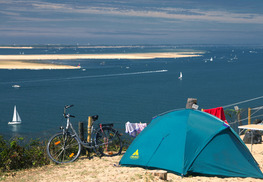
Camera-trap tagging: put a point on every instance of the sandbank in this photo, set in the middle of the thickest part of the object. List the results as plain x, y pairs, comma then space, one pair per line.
13, 47
12, 64
21, 61
101, 56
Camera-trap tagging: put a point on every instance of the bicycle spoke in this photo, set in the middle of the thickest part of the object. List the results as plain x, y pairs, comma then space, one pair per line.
63, 148
72, 145
108, 142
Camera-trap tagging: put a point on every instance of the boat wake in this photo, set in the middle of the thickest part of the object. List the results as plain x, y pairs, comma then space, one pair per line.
89, 76
114, 75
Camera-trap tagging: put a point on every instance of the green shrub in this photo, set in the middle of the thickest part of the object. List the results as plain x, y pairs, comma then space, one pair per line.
14, 154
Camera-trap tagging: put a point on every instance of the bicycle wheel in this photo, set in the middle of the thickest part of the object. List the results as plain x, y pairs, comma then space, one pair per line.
108, 142
63, 148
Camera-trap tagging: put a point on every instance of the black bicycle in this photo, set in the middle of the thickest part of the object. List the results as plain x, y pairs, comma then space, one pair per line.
65, 147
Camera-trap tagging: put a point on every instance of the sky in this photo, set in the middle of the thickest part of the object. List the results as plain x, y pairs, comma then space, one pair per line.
129, 22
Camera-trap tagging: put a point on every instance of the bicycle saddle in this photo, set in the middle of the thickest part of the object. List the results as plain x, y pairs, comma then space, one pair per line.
95, 117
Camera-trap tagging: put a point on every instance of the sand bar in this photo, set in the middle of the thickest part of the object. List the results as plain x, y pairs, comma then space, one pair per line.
20, 61
12, 64
11, 47
101, 56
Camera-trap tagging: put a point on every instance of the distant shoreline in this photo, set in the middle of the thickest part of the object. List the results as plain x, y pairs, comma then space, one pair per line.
20, 61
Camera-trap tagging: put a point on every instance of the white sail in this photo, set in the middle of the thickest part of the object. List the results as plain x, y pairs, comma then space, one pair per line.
180, 76
16, 117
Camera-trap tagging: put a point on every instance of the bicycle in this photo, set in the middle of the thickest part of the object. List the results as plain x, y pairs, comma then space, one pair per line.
66, 146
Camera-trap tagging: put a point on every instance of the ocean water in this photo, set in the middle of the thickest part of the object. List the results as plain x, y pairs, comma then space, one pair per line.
126, 90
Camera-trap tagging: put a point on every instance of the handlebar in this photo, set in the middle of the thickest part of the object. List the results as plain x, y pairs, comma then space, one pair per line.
71, 116
67, 115
94, 118
68, 106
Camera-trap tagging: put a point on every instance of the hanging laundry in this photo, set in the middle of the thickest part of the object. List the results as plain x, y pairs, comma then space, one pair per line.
218, 112
141, 127
134, 128
131, 128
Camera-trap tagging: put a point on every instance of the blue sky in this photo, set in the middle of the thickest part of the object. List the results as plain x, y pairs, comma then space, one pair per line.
125, 22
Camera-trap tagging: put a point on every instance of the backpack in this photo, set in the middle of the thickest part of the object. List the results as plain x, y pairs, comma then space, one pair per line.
257, 138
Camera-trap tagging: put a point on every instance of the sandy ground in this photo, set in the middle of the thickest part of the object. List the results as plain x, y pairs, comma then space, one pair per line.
107, 169
21, 61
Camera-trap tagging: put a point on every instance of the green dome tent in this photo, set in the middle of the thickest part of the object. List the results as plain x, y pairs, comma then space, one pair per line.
191, 142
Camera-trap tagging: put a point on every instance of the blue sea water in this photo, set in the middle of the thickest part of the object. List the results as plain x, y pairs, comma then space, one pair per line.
121, 90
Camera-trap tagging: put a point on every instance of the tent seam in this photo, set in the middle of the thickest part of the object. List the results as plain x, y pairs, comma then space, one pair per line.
156, 150
185, 171
204, 146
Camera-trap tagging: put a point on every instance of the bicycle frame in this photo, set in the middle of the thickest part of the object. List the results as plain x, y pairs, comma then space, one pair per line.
84, 144
89, 145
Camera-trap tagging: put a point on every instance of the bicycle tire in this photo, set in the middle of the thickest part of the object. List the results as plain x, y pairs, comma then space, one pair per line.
63, 148
108, 142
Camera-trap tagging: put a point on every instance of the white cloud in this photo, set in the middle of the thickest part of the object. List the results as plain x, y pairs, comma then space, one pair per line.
51, 6
39, 7
167, 13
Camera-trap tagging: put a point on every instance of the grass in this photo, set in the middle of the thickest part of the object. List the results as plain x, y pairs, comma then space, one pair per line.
16, 155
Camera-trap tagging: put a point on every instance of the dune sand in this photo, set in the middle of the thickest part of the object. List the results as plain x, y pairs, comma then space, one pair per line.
107, 169
22, 61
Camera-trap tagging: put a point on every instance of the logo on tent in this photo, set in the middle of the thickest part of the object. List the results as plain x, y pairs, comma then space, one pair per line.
135, 155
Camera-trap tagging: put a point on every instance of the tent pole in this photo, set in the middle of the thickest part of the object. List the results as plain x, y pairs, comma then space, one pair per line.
251, 139
249, 116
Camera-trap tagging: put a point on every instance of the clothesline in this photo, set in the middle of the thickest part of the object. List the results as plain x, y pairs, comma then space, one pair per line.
251, 116
226, 106
241, 102
246, 119
256, 108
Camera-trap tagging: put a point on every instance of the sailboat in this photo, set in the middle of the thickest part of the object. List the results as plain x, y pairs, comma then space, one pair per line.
16, 118
181, 76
